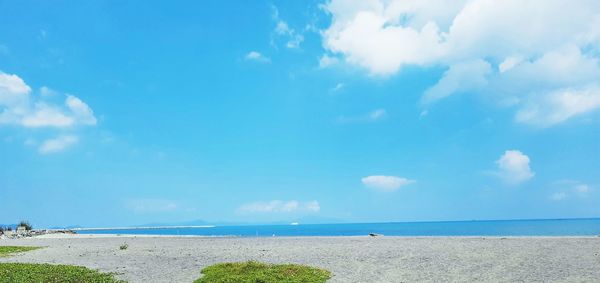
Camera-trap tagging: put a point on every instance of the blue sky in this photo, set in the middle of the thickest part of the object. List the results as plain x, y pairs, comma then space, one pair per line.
135, 112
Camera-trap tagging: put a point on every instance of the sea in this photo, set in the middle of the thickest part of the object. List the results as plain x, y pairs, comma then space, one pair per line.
545, 227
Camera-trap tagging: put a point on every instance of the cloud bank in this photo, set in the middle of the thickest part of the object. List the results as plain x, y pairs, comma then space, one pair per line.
513, 167
257, 56
386, 183
540, 56
278, 206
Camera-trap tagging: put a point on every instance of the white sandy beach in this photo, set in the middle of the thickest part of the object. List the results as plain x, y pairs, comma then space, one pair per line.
351, 259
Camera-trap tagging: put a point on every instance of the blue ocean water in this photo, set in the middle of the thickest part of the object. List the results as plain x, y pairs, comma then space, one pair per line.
550, 227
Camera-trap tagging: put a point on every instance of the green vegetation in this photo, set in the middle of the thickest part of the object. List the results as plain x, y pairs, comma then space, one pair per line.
8, 250
123, 246
256, 272
48, 273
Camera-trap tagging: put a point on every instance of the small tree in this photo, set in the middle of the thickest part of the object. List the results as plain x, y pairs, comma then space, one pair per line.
25, 224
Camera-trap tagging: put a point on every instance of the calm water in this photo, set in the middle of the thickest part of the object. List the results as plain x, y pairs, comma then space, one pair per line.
563, 227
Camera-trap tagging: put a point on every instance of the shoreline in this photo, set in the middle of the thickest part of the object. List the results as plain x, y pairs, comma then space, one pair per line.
91, 236
138, 228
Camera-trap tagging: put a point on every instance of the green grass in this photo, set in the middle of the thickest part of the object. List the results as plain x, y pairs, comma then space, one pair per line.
256, 272
8, 250
48, 273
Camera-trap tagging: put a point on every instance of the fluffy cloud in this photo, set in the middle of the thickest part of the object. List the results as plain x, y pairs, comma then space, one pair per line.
385, 183
256, 56
19, 107
57, 144
513, 167
540, 56
14, 97
280, 206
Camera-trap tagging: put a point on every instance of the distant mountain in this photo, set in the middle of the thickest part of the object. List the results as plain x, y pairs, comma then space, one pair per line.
302, 220
66, 227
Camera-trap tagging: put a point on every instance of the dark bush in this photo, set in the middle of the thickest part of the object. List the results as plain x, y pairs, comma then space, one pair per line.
25, 224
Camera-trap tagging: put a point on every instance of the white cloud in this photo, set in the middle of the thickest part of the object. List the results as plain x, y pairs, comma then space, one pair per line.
566, 188
278, 206
522, 52
257, 56
13, 91
44, 115
386, 183
46, 91
312, 206
294, 41
326, 61
463, 76
377, 114
57, 144
372, 116
152, 205
19, 107
292, 38
509, 63
558, 196
557, 106
282, 28
513, 167
338, 87
81, 111
581, 188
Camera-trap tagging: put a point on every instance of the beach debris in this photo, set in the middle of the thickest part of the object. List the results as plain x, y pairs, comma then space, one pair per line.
375, 235
124, 246
24, 233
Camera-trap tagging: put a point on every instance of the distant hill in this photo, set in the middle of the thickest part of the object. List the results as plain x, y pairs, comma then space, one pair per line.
67, 227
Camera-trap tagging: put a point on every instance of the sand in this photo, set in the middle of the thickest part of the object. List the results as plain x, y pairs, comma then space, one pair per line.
351, 259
